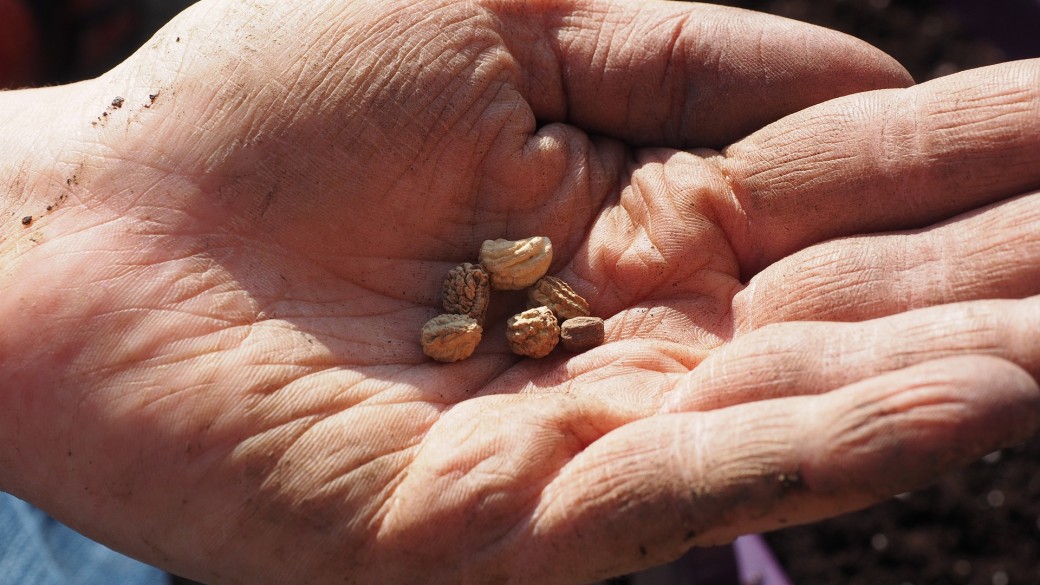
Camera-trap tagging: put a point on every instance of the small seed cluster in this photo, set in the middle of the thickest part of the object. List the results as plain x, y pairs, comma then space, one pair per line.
555, 312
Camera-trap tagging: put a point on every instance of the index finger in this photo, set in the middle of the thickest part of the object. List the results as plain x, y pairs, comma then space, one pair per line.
882, 161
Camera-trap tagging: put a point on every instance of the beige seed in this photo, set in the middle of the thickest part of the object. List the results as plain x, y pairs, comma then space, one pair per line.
450, 338
515, 265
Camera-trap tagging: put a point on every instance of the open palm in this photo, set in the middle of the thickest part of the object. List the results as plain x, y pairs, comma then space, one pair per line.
212, 353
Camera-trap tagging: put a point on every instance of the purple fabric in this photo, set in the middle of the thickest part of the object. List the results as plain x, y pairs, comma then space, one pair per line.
756, 564
715, 565
748, 561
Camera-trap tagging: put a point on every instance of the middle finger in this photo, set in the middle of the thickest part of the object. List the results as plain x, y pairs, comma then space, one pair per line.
804, 357
987, 254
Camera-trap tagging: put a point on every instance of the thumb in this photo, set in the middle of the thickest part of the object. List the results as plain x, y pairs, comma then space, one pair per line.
680, 74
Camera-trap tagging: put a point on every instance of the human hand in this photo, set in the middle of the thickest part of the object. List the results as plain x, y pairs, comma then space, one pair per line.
210, 339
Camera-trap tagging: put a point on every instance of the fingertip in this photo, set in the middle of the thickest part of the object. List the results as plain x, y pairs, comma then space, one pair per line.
1007, 373
868, 67
811, 457
998, 395
900, 430
789, 66
854, 65
1013, 394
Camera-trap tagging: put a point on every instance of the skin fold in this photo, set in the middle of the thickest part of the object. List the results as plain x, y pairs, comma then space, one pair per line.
819, 283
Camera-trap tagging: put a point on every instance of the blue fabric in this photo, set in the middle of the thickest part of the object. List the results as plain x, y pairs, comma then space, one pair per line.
35, 549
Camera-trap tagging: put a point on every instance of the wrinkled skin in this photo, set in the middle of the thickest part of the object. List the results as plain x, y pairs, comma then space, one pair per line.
210, 346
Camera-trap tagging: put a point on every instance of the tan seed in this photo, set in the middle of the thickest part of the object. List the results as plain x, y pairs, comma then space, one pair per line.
533, 333
561, 299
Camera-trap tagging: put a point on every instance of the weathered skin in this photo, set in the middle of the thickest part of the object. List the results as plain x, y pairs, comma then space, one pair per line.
209, 330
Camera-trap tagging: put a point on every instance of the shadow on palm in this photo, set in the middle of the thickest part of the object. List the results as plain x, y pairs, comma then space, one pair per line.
340, 213
321, 221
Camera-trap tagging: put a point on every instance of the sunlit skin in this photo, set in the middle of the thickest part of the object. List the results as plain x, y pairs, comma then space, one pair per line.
210, 340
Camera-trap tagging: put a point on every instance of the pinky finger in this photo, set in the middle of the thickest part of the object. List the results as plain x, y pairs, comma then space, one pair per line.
650, 490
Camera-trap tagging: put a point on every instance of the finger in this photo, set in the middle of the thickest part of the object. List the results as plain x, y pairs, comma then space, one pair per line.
680, 74
885, 160
787, 359
994, 253
652, 489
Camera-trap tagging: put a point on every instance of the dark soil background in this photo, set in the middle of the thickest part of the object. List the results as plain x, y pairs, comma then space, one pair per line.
980, 526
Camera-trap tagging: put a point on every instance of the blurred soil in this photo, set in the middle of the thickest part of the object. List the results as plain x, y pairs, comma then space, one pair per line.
979, 526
